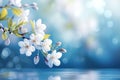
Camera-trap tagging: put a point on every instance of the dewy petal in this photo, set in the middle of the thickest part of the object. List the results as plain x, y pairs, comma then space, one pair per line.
21, 43
58, 55
22, 50
57, 62
28, 53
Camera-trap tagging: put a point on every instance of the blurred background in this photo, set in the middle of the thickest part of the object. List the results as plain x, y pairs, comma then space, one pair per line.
88, 29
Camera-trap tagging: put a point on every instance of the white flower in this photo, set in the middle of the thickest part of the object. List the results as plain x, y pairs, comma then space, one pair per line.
45, 45
24, 15
36, 39
26, 47
16, 3
39, 27
54, 59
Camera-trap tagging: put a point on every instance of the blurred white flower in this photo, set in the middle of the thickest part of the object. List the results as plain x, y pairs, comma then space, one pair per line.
24, 15
39, 27
16, 3
53, 58
36, 39
26, 47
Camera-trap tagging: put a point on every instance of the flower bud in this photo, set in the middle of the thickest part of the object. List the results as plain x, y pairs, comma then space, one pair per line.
58, 43
62, 50
36, 59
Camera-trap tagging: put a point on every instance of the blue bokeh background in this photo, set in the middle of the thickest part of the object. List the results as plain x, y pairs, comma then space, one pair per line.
88, 29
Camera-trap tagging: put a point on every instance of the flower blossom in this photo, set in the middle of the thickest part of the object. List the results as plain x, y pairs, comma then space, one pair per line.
53, 58
39, 27
45, 46
26, 47
24, 15
36, 39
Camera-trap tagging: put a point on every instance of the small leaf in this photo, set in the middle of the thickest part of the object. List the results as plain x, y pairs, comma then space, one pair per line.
32, 24
36, 59
17, 11
4, 36
17, 34
3, 14
46, 36
10, 22
20, 24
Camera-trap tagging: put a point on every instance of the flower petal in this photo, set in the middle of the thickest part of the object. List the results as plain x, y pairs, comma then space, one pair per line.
57, 62
22, 50
32, 48
21, 43
28, 53
48, 56
58, 55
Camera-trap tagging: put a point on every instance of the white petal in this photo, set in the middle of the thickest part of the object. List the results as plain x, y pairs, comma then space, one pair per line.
57, 62
50, 64
26, 12
43, 26
28, 53
38, 22
32, 48
48, 41
54, 52
32, 36
22, 50
21, 43
58, 55
48, 56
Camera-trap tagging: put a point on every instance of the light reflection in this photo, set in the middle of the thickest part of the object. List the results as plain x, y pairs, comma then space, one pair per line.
54, 78
61, 74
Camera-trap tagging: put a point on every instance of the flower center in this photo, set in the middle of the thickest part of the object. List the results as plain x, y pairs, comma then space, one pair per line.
27, 46
52, 57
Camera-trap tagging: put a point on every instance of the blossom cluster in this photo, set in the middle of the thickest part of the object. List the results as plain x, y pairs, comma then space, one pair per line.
35, 39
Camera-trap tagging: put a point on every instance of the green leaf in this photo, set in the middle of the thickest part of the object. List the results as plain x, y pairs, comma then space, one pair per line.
10, 22
20, 24
4, 36
46, 36
3, 14
17, 33
17, 11
32, 24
